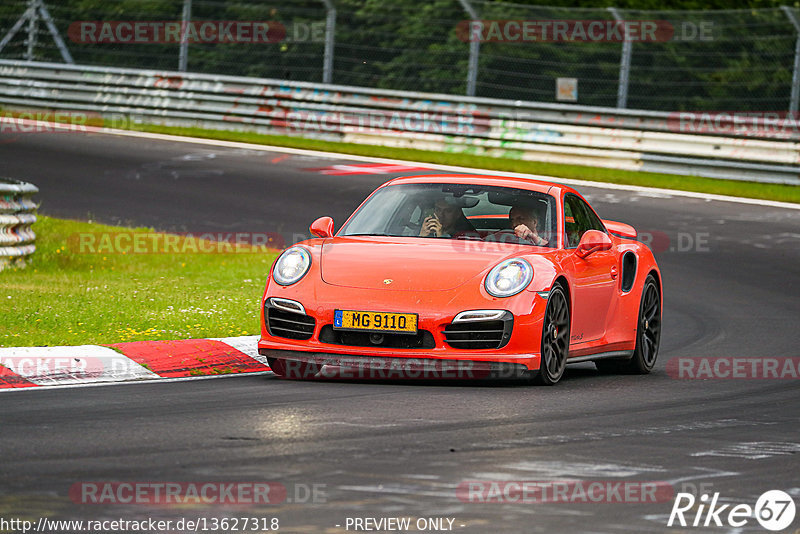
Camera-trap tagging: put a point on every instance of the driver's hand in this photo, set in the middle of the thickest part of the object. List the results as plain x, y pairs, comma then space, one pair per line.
523, 232
431, 225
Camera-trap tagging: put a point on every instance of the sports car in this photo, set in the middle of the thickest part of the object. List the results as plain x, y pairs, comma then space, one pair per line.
463, 276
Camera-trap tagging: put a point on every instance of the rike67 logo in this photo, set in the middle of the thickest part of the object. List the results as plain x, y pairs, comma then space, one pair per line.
774, 510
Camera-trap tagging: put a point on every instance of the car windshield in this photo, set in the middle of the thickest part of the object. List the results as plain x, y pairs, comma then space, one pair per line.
458, 211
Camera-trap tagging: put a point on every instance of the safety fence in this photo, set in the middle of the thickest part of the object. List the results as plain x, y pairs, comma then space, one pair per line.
17, 214
713, 145
704, 59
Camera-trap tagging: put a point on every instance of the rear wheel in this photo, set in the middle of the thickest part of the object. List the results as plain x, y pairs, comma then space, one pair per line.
555, 338
648, 335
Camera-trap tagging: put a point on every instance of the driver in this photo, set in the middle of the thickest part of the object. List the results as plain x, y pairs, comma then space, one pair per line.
447, 220
525, 224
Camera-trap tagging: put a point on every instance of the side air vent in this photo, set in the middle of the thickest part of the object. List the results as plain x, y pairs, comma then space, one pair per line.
628, 271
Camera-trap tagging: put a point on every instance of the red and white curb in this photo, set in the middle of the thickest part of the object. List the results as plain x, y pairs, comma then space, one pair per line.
30, 367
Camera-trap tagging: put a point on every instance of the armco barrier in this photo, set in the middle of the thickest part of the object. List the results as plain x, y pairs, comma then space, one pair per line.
603, 137
17, 214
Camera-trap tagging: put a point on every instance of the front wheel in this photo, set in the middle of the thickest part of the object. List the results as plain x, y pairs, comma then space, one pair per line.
555, 338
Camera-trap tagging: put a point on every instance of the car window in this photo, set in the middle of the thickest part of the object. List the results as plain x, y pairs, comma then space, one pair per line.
476, 212
578, 218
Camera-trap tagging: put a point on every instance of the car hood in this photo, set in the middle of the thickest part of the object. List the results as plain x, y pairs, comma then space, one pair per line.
408, 264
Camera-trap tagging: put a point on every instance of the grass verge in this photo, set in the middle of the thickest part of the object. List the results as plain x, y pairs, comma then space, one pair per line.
784, 193
68, 297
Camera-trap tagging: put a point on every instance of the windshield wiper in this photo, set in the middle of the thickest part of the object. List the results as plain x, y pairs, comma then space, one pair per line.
366, 234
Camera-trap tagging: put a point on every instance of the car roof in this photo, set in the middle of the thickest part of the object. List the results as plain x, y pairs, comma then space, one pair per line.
485, 179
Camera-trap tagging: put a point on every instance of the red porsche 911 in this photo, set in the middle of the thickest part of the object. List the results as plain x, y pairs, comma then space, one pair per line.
463, 276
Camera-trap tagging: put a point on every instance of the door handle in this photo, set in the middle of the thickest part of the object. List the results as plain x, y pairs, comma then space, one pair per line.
614, 272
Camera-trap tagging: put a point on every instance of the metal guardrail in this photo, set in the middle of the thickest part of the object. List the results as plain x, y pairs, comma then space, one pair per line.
17, 214
604, 137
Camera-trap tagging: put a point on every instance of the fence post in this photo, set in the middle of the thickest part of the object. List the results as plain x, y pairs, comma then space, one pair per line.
51, 26
474, 49
30, 16
33, 29
330, 40
624, 62
186, 19
795, 93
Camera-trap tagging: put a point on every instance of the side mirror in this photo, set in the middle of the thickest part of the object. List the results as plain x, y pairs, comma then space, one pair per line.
322, 227
625, 230
593, 241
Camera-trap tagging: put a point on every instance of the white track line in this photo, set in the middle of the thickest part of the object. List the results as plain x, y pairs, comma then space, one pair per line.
454, 168
140, 381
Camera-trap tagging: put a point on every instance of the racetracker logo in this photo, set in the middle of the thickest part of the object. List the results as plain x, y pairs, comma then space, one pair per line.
771, 124
181, 493
658, 242
736, 368
774, 510
373, 122
186, 243
33, 122
55, 368
564, 491
171, 32
368, 368
564, 31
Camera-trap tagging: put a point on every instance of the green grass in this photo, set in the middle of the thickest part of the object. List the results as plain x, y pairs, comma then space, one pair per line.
784, 193
66, 297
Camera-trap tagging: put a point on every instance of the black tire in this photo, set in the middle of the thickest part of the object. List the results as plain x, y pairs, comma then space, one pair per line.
648, 335
293, 370
555, 338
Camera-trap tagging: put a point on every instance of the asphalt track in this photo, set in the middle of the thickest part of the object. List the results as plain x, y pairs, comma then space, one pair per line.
731, 282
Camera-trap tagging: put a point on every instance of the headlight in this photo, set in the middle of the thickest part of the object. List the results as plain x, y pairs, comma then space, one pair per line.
509, 277
291, 266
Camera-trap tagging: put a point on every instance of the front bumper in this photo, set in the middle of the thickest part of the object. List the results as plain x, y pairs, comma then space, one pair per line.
435, 310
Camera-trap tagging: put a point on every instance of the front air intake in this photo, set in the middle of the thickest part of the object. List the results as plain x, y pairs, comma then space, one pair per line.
292, 325
475, 335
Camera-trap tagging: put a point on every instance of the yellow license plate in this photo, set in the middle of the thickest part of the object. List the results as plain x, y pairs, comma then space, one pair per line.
404, 323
